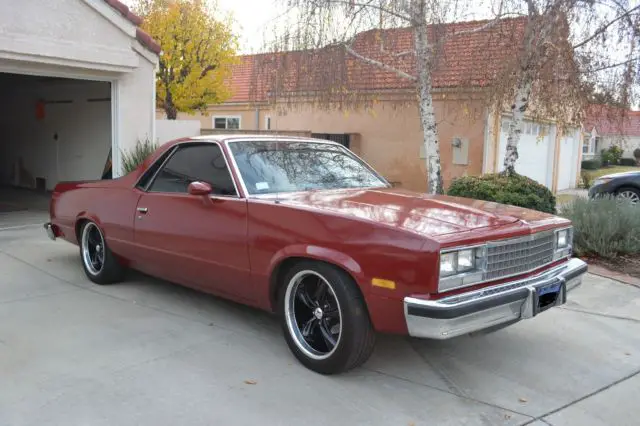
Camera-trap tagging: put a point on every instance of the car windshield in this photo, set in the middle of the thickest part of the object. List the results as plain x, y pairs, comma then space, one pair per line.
268, 167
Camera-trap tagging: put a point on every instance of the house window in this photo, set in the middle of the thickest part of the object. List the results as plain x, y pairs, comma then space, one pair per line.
585, 145
220, 122
588, 147
267, 123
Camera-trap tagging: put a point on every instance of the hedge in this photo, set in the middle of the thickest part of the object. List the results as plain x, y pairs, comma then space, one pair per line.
594, 164
516, 190
628, 162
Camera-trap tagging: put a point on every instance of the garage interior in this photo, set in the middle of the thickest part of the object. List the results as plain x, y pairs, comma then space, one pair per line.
52, 129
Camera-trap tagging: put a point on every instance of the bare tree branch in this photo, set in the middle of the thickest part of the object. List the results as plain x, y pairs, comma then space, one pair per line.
604, 28
607, 67
370, 5
379, 64
498, 19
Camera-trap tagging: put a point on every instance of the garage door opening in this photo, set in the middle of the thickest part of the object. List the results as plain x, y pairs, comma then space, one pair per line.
53, 129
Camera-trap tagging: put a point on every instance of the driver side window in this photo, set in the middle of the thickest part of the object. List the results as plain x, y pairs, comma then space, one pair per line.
202, 162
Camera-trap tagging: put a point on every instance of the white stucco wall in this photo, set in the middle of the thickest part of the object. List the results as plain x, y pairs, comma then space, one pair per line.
84, 39
627, 143
135, 93
168, 130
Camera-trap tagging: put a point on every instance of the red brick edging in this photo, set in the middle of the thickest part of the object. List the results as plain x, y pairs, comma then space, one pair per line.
607, 273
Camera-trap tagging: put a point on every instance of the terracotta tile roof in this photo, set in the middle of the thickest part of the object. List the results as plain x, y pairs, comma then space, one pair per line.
144, 38
464, 60
611, 121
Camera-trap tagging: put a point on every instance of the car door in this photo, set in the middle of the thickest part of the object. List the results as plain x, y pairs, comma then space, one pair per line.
199, 241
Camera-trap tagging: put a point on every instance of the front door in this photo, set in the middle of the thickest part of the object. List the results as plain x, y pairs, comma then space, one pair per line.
199, 241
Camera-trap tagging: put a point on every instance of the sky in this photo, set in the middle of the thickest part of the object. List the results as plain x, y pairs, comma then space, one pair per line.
254, 20
251, 18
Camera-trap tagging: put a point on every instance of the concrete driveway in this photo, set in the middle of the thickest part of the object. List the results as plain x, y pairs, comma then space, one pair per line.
146, 352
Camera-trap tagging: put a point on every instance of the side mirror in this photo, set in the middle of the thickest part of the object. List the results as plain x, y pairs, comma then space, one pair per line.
199, 188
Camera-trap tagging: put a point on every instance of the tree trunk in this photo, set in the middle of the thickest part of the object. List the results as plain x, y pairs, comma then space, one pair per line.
518, 108
425, 101
169, 108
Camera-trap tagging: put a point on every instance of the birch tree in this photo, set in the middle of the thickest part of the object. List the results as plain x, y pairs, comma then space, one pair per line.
566, 62
325, 37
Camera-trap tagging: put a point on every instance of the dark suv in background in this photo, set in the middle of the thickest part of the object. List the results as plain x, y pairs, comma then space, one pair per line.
623, 185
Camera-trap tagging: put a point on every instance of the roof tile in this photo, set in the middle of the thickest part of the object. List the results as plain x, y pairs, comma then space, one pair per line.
141, 35
462, 60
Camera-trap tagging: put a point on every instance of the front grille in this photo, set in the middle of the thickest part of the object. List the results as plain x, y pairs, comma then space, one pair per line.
508, 258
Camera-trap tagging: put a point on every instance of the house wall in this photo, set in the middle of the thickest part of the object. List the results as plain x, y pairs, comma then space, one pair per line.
89, 40
389, 137
168, 130
627, 143
136, 92
70, 30
71, 141
246, 113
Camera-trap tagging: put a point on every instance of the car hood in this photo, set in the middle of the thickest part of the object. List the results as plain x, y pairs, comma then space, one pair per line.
429, 215
619, 175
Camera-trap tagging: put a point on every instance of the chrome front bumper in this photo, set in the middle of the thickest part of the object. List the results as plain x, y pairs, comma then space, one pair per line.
49, 229
492, 307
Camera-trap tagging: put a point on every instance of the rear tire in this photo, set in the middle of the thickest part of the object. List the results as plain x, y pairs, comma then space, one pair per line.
98, 262
324, 318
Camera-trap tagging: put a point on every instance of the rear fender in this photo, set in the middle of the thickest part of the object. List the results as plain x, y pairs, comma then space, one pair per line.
83, 216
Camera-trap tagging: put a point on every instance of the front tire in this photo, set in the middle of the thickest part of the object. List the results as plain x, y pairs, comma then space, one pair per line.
98, 262
629, 194
324, 318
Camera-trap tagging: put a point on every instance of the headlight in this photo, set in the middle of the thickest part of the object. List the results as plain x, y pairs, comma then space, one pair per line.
447, 264
564, 240
461, 267
466, 260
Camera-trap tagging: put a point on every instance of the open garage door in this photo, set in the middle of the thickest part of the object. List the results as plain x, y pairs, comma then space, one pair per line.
53, 129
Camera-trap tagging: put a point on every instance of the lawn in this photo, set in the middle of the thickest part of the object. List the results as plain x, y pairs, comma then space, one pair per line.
610, 170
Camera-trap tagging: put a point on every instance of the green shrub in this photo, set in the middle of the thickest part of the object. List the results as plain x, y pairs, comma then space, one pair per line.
516, 190
593, 164
611, 156
628, 162
604, 227
132, 159
587, 179
636, 154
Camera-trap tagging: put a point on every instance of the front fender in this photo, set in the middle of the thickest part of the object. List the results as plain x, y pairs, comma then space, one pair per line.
324, 254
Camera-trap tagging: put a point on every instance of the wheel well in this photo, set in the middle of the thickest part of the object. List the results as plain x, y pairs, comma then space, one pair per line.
283, 267
627, 186
79, 225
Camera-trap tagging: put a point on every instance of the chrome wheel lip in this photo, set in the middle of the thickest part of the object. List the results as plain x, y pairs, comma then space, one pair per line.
289, 312
629, 196
89, 258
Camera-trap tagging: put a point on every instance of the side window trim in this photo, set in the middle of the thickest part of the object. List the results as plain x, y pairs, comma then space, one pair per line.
196, 143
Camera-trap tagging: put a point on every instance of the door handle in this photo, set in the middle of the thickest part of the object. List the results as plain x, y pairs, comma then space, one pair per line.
142, 209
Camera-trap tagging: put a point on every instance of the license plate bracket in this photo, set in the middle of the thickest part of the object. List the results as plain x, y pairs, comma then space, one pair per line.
549, 295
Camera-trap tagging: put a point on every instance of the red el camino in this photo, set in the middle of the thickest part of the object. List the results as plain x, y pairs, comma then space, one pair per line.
305, 228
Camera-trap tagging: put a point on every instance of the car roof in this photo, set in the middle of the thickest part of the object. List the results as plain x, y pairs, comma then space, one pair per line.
257, 137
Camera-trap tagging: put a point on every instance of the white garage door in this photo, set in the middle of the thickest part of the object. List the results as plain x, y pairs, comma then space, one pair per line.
567, 163
533, 150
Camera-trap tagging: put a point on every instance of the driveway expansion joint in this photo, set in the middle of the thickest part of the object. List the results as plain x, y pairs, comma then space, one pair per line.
582, 398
